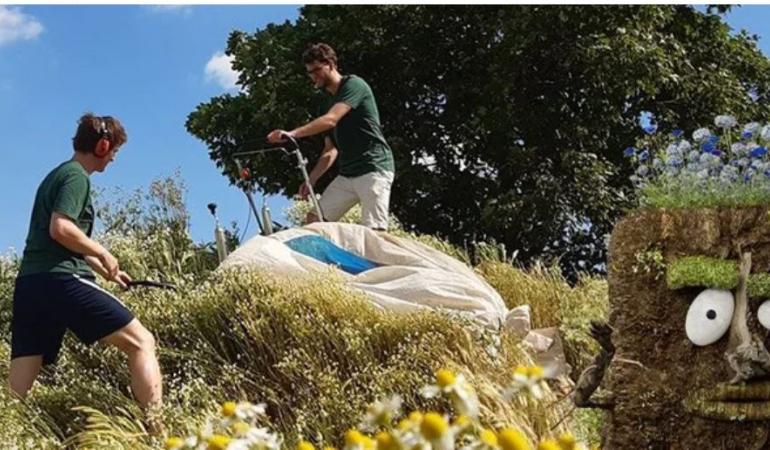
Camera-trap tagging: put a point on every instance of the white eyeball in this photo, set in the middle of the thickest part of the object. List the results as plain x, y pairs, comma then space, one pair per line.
763, 314
709, 316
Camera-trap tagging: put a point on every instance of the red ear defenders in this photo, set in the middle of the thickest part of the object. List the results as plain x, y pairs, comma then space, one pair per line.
103, 145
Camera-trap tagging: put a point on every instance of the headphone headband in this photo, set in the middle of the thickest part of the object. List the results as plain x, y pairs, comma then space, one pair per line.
104, 132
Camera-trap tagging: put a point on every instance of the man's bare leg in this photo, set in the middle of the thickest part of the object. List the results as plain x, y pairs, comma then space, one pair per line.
23, 373
139, 345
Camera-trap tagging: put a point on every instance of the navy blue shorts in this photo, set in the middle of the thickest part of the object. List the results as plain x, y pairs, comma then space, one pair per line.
46, 304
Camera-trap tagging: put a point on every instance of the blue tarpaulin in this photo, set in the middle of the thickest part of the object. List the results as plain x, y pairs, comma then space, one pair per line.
326, 251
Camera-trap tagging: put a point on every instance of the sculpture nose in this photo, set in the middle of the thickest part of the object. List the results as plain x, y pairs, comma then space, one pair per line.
746, 353
749, 360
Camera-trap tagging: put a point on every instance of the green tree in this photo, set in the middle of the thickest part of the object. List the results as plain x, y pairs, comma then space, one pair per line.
507, 122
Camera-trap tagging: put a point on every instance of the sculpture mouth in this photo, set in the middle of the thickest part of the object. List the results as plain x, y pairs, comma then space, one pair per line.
731, 402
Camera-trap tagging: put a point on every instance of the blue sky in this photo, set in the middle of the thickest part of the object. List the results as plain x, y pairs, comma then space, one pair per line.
147, 66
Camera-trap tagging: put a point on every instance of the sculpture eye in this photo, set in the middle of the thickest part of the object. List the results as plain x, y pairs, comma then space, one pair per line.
709, 316
763, 314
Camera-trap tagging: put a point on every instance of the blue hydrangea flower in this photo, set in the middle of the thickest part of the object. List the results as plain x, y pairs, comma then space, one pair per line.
725, 121
746, 135
765, 133
708, 147
629, 152
752, 127
684, 146
739, 149
758, 152
701, 134
674, 162
677, 133
694, 155
644, 155
651, 128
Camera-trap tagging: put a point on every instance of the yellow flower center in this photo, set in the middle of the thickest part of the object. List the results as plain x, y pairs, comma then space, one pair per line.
462, 421
415, 417
567, 441
241, 428
536, 372
521, 370
305, 445
404, 424
218, 442
488, 437
386, 441
173, 443
433, 426
445, 378
511, 439
354, 437
228, 409
548, 444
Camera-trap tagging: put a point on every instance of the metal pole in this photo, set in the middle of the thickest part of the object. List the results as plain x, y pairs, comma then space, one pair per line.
301, 161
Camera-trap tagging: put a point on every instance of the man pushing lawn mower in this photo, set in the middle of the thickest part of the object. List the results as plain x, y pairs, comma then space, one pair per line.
56, 289
350, 122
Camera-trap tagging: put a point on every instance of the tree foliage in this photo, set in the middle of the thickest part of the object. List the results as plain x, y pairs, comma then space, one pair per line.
507, 122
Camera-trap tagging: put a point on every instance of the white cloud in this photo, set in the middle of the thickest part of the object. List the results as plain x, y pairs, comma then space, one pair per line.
16, 26
220, 69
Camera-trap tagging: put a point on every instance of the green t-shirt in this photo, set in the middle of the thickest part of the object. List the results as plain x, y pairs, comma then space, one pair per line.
358, 135
67, 191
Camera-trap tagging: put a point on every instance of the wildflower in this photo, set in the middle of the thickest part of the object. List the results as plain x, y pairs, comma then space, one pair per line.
567, 442
228, 409
354, 440
387, 441
694, 155
701, 134
642, 171
677, 133
174, 443
305, 445
629, 152
381, 413
548, 444
657, 163
264, 439
528, 379
488, 438
511, 439
241, 428
458, 389
651, 128
435, 429
218, 442
746, 135
644, 155
725, 121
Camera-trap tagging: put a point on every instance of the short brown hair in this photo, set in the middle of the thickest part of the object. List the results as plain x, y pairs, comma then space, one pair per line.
320, 52
91, 128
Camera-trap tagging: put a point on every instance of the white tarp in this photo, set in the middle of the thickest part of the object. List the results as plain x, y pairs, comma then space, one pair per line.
410, 276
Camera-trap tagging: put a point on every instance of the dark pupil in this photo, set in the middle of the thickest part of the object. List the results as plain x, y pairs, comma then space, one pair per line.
711, 314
